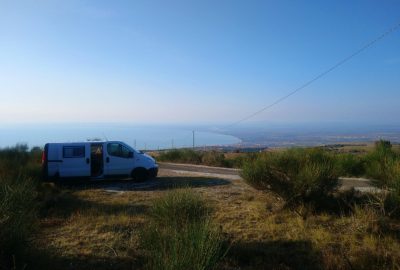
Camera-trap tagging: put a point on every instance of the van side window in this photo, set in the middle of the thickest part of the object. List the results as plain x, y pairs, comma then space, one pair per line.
74, 151
117, 150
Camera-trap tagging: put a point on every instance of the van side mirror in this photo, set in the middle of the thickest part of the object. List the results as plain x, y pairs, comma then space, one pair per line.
130, 155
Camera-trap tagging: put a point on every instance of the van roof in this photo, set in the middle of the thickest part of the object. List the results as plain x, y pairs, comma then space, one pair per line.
85, 142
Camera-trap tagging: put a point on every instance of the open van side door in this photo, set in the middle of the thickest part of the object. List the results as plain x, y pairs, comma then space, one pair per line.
75, 160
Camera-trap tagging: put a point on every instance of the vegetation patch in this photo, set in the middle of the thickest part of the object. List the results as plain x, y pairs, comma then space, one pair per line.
209, 158
81, 226
297, 175
180, 155
181, 235
18, 203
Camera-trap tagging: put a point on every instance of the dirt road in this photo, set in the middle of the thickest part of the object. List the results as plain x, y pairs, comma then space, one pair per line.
346, 183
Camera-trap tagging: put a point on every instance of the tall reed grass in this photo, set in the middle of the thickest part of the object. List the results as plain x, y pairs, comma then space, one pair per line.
181, 234
19, 178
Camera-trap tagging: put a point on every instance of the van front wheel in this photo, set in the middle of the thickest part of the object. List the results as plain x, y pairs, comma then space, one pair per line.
140, 174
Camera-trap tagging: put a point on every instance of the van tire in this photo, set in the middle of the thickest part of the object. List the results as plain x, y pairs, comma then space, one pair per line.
140, 174
56, 179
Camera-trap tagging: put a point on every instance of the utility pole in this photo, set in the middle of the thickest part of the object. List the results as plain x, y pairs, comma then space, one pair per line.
172, 144
193, 139
135, 143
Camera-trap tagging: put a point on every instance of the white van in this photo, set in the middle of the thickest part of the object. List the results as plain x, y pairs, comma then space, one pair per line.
96, 160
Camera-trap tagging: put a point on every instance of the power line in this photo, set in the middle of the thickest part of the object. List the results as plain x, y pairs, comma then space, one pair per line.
322, 74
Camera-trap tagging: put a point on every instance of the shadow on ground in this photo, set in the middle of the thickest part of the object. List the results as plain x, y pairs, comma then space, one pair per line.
274, 255
159, 183
45, 259
245, 256
63, 201
65, 204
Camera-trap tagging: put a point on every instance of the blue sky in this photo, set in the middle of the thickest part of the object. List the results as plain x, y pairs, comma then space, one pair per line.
196, 61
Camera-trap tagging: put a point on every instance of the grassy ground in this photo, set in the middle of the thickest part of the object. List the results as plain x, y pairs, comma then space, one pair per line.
99, 226
87, 227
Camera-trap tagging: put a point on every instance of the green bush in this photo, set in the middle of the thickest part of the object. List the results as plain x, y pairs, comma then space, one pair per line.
382, 165
263, 172
350, 165
17, 213
209, 158
214, 158
12, 159
178, 208
392, 201
16, 160
392, 186
297, 175
181, 155
197, 246
181, 234
19, 182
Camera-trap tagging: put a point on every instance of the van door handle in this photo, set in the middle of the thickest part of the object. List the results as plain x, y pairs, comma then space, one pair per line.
107, 159
87, 161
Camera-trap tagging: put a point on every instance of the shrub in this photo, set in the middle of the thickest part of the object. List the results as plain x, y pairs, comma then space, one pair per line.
17, 213
178, 208
17, 160
19, 175
181, 235
391, 203
12, 159
236, 162
297, 175
382, 165
383, 145
214, 158
181, 155
350, 165
197, 246
209, 158
263, 172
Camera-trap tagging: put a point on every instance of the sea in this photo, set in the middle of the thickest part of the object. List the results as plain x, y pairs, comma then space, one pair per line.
163, 136
142, 137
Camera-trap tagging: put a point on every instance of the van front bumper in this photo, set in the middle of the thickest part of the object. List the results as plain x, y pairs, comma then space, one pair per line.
153, 172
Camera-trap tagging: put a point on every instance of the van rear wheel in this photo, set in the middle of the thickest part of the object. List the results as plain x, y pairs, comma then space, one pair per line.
140, 174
